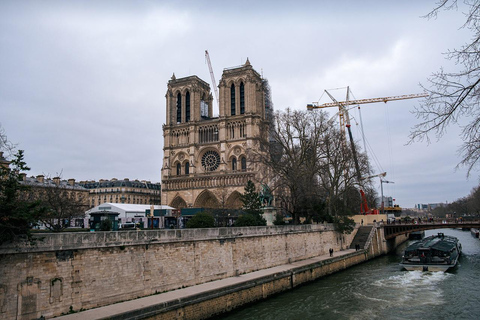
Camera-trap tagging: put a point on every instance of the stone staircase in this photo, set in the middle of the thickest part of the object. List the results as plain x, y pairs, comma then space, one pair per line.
361, 237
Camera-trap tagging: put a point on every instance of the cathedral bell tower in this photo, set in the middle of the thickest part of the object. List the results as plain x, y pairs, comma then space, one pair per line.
207, 160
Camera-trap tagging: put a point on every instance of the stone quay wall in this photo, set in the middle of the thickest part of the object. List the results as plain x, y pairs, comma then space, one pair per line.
220, 301
76, 271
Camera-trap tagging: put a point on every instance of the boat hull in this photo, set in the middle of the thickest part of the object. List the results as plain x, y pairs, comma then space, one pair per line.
427, 267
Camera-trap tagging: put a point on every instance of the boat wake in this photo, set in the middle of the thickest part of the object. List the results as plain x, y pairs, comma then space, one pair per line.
415, 287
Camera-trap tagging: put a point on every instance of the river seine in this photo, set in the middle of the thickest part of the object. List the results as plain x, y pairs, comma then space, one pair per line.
380, 289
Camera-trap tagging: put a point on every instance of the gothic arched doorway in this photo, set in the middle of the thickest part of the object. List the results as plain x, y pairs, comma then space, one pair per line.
206, 199
178, 203
234, 201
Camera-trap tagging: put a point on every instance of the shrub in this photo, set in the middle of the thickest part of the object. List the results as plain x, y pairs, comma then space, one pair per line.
201, 220
248, 219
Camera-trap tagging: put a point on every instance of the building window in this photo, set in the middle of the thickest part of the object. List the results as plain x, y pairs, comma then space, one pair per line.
179, 169
232, 99
179, 108
243, 161
187, 168
234, 164
187, 107
242, 98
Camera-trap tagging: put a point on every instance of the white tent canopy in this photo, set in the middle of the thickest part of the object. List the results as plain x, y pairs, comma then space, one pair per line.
127, 211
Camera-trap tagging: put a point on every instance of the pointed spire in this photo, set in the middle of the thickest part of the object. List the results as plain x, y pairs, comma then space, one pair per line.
173, 77
247, 63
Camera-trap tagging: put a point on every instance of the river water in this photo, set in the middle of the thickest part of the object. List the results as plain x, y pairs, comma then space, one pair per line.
380, 289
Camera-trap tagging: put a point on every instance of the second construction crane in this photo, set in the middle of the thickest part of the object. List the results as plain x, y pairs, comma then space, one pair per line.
214, 84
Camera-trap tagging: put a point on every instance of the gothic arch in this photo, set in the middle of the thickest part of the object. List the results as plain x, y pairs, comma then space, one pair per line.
234, 201
206, 199
181, 157
178, 203
235, 150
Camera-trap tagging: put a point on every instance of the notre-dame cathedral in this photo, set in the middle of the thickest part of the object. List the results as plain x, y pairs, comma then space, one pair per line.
209, 159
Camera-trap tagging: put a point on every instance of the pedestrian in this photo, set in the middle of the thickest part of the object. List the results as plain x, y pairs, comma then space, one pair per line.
331, 252
362, 222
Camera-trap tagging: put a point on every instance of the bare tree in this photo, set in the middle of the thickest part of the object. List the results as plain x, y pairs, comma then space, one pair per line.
6, 147
455, 96
61, 201
312, 166
292, 157
338, 177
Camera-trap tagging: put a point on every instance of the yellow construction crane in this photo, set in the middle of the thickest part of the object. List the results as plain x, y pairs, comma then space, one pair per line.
343, 105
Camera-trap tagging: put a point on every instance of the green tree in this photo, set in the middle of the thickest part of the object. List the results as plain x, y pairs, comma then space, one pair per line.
252, 208
201, 220
343, 224
17, 217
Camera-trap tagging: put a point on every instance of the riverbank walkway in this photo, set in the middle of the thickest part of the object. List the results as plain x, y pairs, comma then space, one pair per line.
151, 305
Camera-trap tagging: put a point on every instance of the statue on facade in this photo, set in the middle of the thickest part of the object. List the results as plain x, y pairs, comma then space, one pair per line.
266, 196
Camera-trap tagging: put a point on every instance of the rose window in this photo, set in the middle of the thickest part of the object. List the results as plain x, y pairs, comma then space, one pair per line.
210, 160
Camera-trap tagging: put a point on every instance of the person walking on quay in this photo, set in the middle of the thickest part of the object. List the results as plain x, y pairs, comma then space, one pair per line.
331, 252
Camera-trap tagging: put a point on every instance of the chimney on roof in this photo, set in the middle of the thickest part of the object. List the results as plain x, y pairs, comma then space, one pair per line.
56, 180
23, 176
71, 182
40, 178
126, 179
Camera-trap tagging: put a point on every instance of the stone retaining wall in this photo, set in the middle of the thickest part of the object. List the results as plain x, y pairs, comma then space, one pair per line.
87, 270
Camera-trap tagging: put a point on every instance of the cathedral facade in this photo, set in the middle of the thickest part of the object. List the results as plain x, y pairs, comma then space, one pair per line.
208, 160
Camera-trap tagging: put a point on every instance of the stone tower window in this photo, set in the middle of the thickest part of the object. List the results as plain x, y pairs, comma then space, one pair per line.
232, 99
179, 108
187, 107
203, 108
179, 169
187, 168
242, 98
243, 161
234, 164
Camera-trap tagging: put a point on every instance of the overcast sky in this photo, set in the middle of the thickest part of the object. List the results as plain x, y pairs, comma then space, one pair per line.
83, 83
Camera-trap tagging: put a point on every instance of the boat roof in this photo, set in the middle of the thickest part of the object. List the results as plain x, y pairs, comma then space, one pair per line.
438, 242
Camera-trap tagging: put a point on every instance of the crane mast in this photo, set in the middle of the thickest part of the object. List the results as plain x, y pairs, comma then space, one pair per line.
215, 88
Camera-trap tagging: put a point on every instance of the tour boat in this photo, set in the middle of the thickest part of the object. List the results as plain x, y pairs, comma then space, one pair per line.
434, 253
